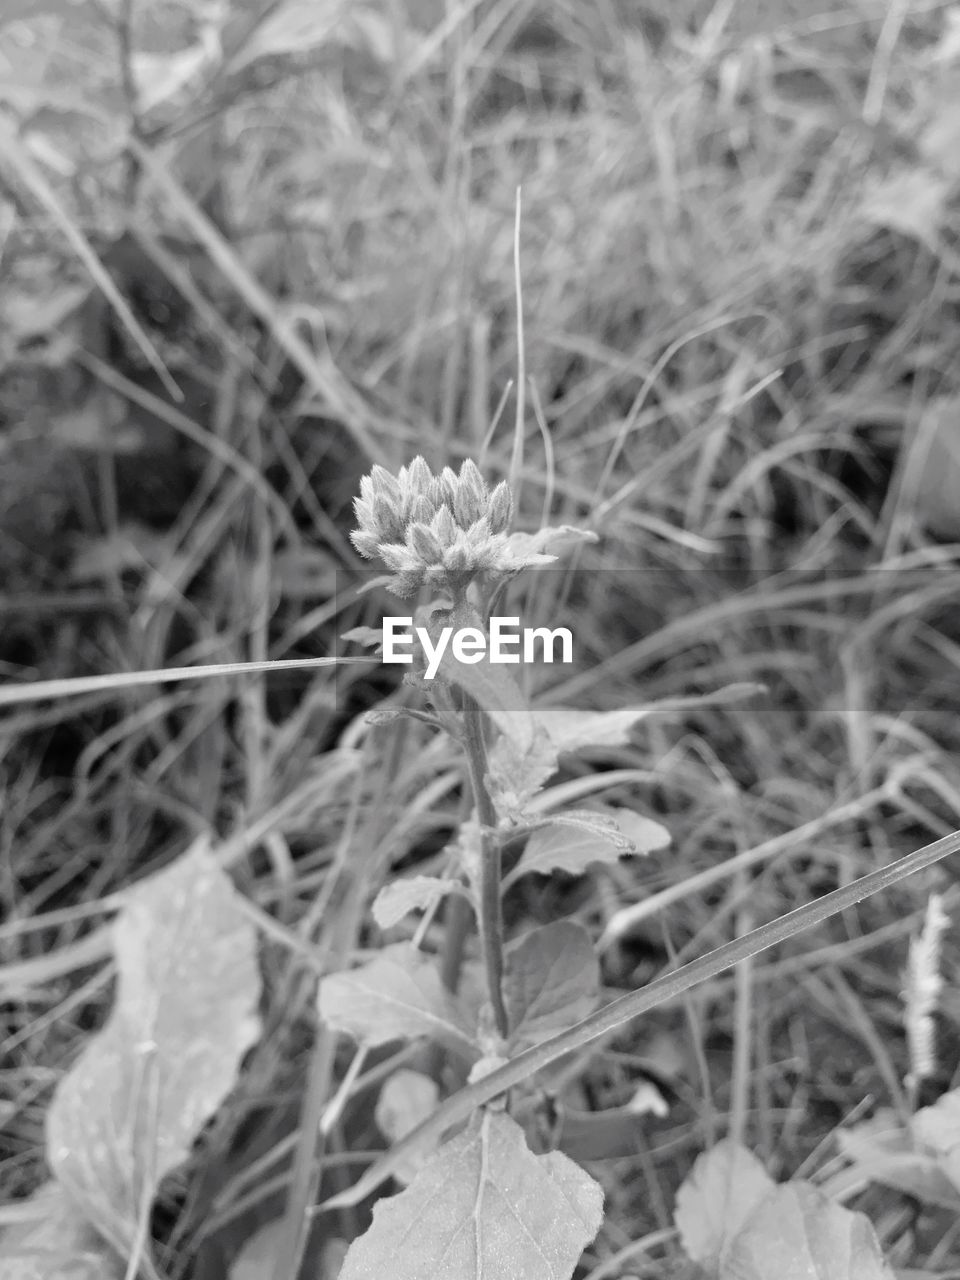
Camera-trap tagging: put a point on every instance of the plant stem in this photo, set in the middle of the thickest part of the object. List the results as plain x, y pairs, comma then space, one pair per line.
491, 917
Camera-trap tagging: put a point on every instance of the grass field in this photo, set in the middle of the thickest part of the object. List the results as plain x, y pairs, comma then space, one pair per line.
248, 249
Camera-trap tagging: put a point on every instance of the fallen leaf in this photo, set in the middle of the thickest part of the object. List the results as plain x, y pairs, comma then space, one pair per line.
132, 1105
718, 1195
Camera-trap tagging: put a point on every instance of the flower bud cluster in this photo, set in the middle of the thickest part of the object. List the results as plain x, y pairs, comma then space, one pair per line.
443, 529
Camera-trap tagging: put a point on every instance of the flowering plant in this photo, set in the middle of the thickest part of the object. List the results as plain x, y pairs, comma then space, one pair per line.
445, 531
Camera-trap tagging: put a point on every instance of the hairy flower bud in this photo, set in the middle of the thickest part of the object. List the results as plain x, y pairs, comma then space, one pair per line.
425, 543
444, 526
367, 544
449, 485
419, 476
471, 479
384, 484
468, 506
443, 530
500, 508
397, 557
456, 558
422, 510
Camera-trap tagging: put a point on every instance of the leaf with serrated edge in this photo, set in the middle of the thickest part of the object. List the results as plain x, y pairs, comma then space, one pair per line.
572, 729
798, 1233
725, 1185
552, 980
58, 1244
548, 541
646, 835
484, 1208
400, 897
397, 995
488, 683
560, 846
134, 1102
516, 776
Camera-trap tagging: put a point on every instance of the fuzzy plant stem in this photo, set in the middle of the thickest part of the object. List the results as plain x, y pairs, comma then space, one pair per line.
491, 916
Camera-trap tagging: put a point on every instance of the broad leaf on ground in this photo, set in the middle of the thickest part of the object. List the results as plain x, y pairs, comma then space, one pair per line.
134, 1102
483, 1207
799, 1232
938, 1128
737, 1224
397, 995
552, 980
882, 1150
725, 1185
58, 1245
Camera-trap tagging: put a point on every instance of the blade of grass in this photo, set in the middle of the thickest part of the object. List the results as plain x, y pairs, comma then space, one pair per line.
38, 690
29, 173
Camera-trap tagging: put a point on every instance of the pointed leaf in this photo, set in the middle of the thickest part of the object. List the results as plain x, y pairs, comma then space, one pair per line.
484, 1207
417, 893
396, 996
547, 544
572, 843
724, 1187
516, 775
644, 834
552, 980
490, 684
572, 729
133, 1104
938, 1128
798, 1233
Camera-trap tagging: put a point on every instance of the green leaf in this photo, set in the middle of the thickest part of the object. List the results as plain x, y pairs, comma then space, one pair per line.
58, 1244
798, 1233
405, 1101
489, 684
644, 834
515, 775
397, 995
255, 1261
547, 544
552, 980
572, 729
938, 1128
573, 841
417, 893
881, 1150
724, 1187
369, 637
134, 1102
483, 1208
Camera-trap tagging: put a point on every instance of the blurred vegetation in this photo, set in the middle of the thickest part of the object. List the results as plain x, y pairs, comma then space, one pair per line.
248, 247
